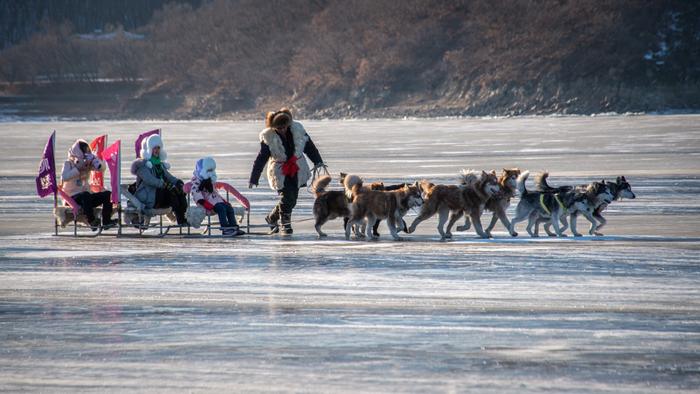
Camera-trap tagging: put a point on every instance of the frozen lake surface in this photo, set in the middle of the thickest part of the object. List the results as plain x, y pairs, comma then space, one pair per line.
619, 313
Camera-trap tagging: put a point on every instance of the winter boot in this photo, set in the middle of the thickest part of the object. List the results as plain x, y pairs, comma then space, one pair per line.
234, 231
287, 224
95, 224
272, 220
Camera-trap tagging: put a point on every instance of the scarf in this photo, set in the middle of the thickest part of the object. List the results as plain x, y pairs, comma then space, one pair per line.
157, 166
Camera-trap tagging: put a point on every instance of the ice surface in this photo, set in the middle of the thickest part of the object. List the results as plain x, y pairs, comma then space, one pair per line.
619, 313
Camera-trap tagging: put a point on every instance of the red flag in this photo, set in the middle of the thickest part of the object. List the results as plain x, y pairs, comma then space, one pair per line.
113, 157
142, 137
97, 180
46, 181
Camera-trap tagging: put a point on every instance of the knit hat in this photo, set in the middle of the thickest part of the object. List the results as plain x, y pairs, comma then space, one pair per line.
205, 169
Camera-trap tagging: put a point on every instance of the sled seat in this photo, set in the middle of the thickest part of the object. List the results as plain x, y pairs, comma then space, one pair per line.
242, 210
135, 214
72, 212
65, 215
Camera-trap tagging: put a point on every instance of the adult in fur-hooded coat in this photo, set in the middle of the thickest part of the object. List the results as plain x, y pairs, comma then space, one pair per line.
155, 186
283, 144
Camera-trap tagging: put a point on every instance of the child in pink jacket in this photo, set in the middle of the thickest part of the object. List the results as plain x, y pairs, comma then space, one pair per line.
205, 194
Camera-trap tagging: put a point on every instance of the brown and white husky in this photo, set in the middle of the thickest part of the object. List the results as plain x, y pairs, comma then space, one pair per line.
456, 200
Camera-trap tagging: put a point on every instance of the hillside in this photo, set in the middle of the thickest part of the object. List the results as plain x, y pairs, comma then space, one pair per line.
332, 58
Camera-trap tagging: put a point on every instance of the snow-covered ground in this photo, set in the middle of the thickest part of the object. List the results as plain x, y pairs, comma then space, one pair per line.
619, 313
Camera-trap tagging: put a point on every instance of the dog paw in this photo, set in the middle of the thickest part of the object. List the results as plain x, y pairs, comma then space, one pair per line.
322, 235
463, 228
563, 235
513, 234
578, 235
597, 234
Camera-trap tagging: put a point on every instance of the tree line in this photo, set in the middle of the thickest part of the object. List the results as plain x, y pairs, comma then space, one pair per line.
364, 54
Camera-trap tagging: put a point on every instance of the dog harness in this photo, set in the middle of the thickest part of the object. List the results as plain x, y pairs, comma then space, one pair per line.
544, 206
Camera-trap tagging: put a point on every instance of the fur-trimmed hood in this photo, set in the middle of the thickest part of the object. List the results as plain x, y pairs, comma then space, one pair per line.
136, 165
147, 147
75, 152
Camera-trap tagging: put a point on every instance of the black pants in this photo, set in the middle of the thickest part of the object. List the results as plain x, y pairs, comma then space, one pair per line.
176, 200
288, 200
89, 201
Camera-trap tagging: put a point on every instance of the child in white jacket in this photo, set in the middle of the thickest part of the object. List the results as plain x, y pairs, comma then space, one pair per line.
204, 193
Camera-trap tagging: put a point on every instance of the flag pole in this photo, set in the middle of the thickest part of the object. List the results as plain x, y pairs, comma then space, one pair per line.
55, 190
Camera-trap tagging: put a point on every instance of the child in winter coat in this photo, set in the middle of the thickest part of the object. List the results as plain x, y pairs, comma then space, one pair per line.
75, 182
205, 194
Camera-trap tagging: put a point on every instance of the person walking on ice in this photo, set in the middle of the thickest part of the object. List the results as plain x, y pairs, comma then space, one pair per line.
283, 144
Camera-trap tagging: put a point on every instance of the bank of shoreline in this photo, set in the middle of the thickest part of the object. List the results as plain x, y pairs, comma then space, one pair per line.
125, 101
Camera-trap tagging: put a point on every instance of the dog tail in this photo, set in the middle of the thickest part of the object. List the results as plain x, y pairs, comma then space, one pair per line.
355, 190
521, 182
543, 186
541, 182
350, 182
320, 184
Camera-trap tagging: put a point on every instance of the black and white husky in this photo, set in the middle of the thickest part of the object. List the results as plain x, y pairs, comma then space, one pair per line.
619, 189
552, 206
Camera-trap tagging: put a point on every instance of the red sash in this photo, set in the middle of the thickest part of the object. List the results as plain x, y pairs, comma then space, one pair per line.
290, 167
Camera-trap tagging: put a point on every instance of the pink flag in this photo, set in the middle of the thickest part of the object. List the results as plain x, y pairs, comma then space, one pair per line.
142, 137
113, 157
97, 180
46, 181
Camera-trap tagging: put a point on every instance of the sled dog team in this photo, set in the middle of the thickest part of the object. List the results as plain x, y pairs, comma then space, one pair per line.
364, 206
284, 146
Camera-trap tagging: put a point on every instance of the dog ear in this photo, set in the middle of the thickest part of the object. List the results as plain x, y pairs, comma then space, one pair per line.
623, 178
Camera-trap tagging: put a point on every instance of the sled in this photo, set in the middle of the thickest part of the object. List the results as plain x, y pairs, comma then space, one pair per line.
137, 216
71, 214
